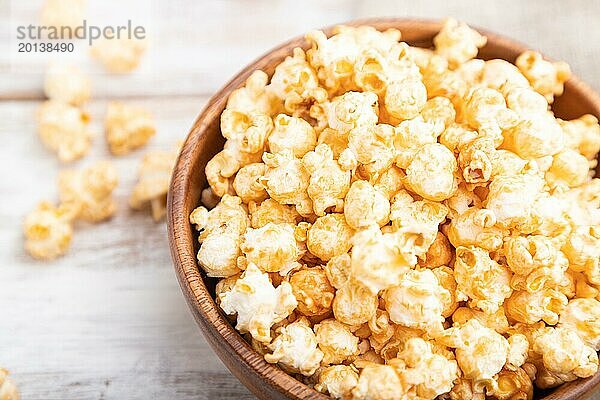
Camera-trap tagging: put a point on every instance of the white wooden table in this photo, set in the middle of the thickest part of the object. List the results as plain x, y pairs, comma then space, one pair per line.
108, 321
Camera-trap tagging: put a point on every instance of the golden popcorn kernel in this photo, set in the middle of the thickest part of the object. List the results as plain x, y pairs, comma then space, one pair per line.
513, 385
354, 304
119, 55
273, 248
431, 173
64, 130
48, 230
568, 167
271, 211
67, 84
545, 77
312, 290
329, 236
291, 133
365, 206
457, 42
378, 382
337, 380
295, 348
91, 190
335, 341
247, 183
128, 127
440, 253
338, 270
405, 100
583, 317
257, 303
583, 135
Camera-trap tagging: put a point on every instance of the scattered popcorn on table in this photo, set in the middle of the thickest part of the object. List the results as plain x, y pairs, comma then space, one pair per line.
64, 129
67, 84
90, 190
405, 223
8, 390
119, 55
128, 127
48, 230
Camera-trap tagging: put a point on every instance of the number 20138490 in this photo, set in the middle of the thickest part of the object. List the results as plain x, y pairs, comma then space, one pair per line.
46, 47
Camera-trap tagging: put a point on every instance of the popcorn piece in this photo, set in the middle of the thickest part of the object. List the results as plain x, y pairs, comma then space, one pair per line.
67, 84
329, 236
485, 110
247, 183
154, 176
246, 133
354, 304
518, 348
564, 354
273, 248
119, 55
365, 206
411, 136
445, 277
457, 42
63, 13
405, 99
378, 382
8, 390
313, 291
439, 111
63, 129
352, 110
295, 348
328, 183
502, 76
496, 321
338, 270
429, 373
254, 96
583, 134
48, 231
546, 78
582, 248
569, 168
511, 198
272, 211
90, 190
379, 260
481, 278
440, 253
128, 127
583, 317
543, 305
335, 341
337, 380
419, 219
475, 227
291, 133
258, 304
373, 147
526, 101
417, 301
480, 352
286, 180
431, 172
524, 254
535, 136
220, 234
512, 385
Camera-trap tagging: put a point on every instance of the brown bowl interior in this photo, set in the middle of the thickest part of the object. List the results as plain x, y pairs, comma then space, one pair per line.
204, 140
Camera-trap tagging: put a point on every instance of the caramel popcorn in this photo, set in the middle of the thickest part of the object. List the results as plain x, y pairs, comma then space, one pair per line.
128, 127
67, 84
63, 129
257, 303
90, 190
337, 380
48, 230
119, 55
392, 222
313, 291
154, 176
8, 390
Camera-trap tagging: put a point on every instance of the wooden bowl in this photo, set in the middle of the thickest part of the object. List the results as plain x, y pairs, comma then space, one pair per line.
265, 380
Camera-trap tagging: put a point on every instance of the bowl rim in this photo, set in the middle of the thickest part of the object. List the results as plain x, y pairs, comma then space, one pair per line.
215, 327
